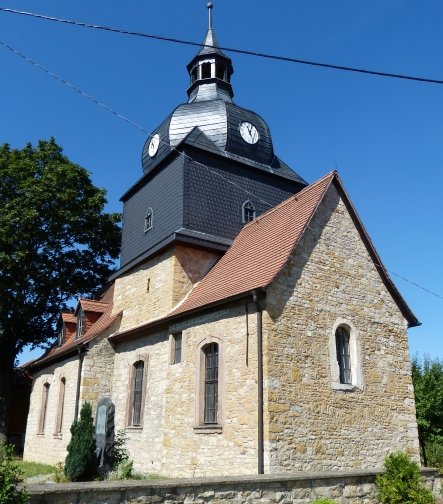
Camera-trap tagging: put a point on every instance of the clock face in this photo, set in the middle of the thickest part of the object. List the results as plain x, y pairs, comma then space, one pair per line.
249, 132
153, 145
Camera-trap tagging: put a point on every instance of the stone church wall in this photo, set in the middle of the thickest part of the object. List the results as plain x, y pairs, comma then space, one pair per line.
49, 447
169, 443
313, 422
153, 288
95, 382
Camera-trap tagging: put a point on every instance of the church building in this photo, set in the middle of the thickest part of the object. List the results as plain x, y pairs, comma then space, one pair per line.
251, 327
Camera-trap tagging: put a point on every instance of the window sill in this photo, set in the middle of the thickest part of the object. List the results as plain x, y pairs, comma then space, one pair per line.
58, 436
133, 429
345, 387
208, 429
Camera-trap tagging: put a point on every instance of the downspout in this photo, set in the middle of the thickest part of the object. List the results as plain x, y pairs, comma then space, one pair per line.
81, 353
260, 442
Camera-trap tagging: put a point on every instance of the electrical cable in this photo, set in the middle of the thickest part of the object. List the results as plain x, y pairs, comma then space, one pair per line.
120, 116
227, 49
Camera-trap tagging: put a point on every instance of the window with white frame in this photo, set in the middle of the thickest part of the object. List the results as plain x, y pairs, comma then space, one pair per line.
149, 219
345, 358
81, 324
248, 211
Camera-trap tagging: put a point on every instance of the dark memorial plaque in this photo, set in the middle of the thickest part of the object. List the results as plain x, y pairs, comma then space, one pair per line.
104, 432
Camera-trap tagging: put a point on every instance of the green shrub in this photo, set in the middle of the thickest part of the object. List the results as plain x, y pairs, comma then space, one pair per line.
81, 463
401, 482
119, 451
434, 450
10, 475
323, 501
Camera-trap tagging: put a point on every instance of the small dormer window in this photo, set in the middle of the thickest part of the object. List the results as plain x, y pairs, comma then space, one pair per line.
206, 70
61, 333
81, 324
149, 219
248, 211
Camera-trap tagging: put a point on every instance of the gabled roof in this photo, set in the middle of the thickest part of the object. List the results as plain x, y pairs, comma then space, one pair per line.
262, 248
70, 346
90, 305
68, 317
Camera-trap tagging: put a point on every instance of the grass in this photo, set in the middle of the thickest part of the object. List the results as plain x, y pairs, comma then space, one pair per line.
31, 469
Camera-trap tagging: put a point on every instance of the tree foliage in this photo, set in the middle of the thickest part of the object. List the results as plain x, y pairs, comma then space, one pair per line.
56, 242
81, 463
10, 475
427, 376
401, 482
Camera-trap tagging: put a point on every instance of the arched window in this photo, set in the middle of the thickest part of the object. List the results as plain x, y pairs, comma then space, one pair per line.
211, 384
137, 392
342, 344
149, 219
248, 211
206, 70
81, 324
345, 356
43, 409
60, 407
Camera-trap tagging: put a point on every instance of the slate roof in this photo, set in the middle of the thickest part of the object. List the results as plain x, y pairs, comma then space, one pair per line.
70, 345
262, 248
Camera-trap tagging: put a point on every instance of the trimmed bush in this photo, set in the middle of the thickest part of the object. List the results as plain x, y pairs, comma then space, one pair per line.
10, 475
323, 501
81, 463
401, 483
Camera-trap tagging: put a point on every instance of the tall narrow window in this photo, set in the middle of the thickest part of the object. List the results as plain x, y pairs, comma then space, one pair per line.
149, 219
248, 211
211, 384
206, 70
343, 355
81, 324
139, 368
60, 407
43, 409
220, 71
176, 348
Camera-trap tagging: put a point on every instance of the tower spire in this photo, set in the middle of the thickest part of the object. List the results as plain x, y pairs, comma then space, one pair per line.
210, 69
210, 6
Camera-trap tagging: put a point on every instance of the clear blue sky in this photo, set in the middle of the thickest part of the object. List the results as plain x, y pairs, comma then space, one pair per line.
384, 136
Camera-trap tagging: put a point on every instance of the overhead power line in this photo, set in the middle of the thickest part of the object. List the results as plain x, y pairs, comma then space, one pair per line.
141, 128
228, 49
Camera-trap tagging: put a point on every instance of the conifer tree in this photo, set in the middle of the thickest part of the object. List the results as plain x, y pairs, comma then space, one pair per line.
81, 463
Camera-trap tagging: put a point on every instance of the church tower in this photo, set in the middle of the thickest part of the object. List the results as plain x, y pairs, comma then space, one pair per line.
208, 168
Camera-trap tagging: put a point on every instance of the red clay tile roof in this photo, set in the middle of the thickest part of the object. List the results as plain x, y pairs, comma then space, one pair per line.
260, 250
93, 306
98, 327
69, 317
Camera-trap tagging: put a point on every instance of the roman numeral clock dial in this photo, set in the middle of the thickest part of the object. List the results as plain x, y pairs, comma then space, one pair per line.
249, 132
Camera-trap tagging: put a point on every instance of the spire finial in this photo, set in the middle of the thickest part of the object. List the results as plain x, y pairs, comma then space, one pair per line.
209, 5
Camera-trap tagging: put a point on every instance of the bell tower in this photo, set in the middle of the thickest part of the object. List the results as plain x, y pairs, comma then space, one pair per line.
208, 168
